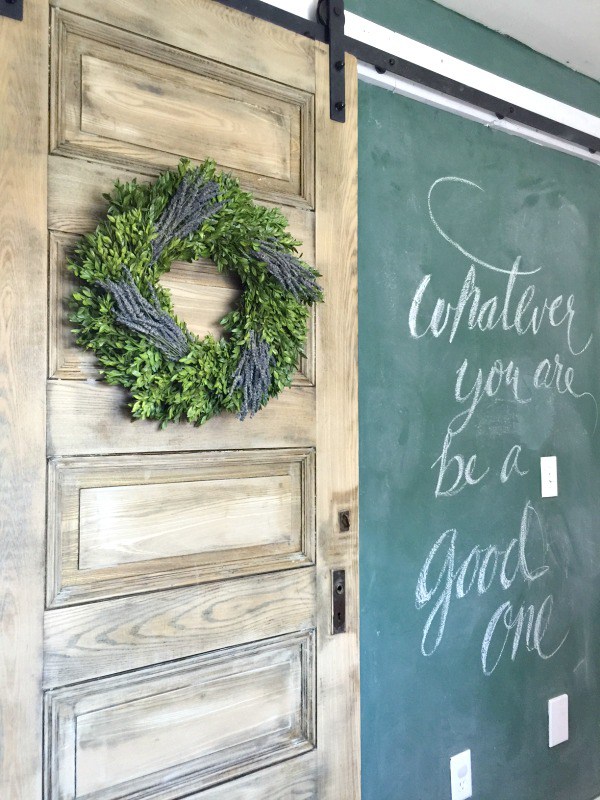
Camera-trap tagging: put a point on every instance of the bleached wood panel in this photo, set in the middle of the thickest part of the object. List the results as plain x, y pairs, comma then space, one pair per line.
162, 732
65, 359
130, 524
98, 639
211, 30
102, 424
139, 101
119, 98
202, 295
292, 780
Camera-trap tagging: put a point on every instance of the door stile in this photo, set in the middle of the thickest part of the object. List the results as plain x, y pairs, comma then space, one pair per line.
338, 708
23, 310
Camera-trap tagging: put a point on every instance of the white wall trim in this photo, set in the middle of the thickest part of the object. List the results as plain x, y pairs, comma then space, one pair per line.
365, 31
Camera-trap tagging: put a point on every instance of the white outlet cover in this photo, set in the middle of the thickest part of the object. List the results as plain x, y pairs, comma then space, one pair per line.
549, 476
558, 720
460, 776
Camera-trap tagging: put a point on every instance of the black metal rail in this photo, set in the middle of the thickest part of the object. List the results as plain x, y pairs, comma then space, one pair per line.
390, 62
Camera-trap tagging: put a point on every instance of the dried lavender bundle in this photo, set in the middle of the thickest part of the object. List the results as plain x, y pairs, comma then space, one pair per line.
290, 272
192, 203
253, 375
136, 313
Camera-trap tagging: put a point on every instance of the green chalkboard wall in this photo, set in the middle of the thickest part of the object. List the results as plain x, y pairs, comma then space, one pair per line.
479, 332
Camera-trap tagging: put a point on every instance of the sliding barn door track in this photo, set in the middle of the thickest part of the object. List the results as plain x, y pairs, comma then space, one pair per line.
329, 28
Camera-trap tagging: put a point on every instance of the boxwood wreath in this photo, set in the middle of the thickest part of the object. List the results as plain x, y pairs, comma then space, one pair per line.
126, 316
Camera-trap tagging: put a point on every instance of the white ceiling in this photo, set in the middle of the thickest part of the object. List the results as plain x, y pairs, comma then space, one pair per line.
566, 30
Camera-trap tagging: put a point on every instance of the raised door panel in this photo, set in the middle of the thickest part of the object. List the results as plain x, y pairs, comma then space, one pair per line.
119, 98
213, 31
130, 524
162, 732
292, 780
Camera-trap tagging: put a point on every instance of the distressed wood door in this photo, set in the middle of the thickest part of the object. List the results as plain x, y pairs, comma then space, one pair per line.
166, 626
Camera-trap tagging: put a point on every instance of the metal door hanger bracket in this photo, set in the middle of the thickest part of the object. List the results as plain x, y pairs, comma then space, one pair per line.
331, 14
12, 9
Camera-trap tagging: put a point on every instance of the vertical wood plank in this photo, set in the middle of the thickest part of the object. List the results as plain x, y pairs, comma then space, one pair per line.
23, 146
337, 435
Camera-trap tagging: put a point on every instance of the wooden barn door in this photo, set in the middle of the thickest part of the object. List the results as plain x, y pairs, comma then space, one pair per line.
167, 633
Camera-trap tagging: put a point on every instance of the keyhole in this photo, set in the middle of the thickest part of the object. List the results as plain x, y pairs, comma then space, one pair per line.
344, 521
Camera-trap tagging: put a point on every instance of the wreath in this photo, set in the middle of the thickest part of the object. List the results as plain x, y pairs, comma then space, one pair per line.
126, 316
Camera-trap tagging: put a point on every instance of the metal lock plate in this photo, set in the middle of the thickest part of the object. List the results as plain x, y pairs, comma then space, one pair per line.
338, 601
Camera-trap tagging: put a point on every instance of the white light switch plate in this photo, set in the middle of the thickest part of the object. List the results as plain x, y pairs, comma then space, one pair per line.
549, 476
558, 720
460, 776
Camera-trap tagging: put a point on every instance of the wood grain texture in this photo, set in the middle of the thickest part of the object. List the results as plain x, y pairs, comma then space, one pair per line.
76, 203
131, 524
142, 102
101, 638
292, 780
211, 30
103, 423
23, 138
202, 295
120, 98
66, 360
168, 730
337, 423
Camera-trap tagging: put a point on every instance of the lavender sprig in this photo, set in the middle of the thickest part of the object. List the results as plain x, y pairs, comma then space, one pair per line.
135, 312
192, 203
291, 273
253, 375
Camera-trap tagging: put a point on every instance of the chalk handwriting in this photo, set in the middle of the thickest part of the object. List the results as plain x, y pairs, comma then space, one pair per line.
518, 308
511, 464
456, 471
493, 312
515, 308
477, 573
